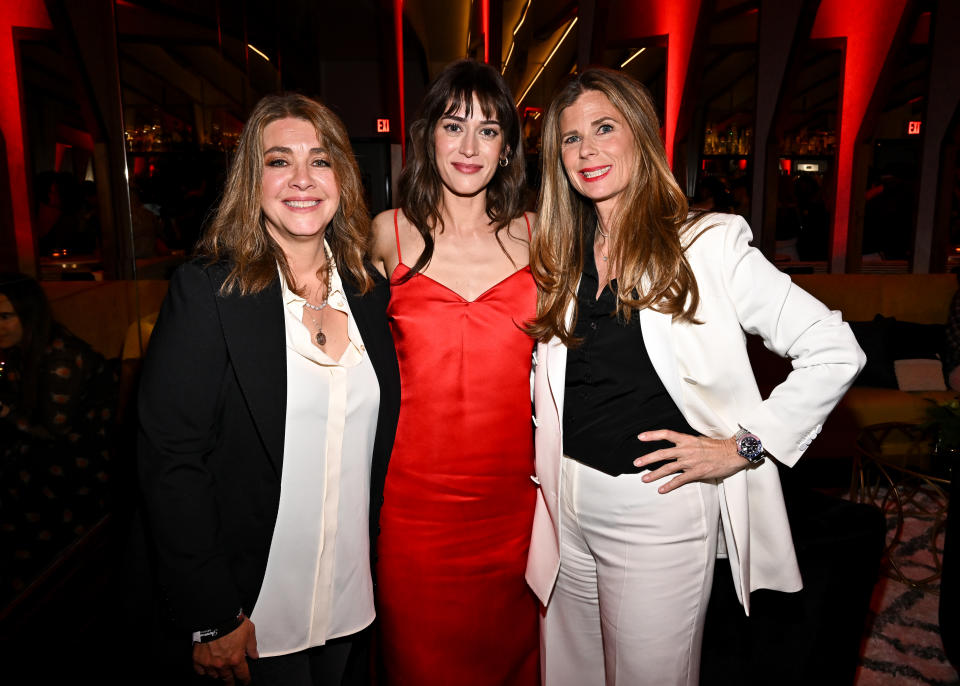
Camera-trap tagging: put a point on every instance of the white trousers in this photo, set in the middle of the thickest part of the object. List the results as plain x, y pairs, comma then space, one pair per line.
636, 568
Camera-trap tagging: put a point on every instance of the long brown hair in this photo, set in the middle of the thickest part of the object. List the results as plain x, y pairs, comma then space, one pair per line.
648, 258
238, 233
420, 187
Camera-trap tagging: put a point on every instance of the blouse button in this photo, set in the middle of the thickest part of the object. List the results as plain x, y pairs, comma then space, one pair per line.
593, 325
692, 382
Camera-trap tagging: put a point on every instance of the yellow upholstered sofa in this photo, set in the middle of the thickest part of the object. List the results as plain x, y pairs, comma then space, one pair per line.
101, 312
105, 315
919, 298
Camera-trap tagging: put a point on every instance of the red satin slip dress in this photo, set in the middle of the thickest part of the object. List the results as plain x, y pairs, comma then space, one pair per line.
452, 602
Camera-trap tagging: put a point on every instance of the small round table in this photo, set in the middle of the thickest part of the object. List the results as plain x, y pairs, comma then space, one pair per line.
896, 466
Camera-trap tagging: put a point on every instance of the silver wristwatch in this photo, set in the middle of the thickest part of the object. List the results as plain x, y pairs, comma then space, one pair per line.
749, 446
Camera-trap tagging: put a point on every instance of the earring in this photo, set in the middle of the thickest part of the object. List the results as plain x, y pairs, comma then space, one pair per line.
504, 162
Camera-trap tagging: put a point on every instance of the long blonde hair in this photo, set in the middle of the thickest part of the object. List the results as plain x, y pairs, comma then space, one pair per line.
238, 233
648, 258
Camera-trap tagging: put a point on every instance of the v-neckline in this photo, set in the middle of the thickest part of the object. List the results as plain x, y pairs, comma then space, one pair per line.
447, 288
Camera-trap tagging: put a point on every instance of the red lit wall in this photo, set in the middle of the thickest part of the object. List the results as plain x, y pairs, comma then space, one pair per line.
485, 22
869, 30
31, 14
676, 19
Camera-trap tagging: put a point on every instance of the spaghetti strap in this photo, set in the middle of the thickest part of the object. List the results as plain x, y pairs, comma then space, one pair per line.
396, 230
526, 219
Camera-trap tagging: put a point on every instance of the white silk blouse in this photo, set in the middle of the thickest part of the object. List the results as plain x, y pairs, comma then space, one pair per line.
317, 584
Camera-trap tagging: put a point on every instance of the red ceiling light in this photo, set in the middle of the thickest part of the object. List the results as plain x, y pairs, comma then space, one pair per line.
485, 20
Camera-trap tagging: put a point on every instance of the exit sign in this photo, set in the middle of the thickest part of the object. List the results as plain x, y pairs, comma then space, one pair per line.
383, 126
913, 128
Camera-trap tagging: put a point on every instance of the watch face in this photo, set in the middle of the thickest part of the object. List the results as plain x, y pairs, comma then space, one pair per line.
749, 446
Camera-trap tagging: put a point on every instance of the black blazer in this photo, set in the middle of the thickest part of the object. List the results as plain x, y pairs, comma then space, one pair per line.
212, 406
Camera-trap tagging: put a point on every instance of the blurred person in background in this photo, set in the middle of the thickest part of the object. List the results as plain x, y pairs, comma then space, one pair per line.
57, 402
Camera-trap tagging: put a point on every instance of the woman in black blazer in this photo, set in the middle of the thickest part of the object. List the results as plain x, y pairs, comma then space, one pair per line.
279, 315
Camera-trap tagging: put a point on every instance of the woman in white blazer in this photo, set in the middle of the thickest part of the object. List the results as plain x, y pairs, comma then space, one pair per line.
654, 448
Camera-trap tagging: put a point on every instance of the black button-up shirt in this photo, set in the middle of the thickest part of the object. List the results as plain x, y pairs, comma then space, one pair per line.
612, 391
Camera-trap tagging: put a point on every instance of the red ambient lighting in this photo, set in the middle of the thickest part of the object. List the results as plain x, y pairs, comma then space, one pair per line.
30, 14
674, 21
383, 126
485, 20
868, 38
913, 128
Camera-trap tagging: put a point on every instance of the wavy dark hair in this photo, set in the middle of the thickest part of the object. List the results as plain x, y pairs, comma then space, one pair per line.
650, 223
36, 319
420, 187
238, 233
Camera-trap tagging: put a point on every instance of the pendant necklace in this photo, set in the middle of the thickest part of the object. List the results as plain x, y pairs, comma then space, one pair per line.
605, 237
320, 338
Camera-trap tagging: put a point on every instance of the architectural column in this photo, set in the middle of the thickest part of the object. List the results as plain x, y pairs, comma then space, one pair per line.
398, 44
87, 29
26, 14
8, 241
586, 13
678, 21
782, 35
688, 140
495, 27
943, 97
869, 33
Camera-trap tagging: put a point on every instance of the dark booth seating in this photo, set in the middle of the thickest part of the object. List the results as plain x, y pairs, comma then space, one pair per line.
809, 637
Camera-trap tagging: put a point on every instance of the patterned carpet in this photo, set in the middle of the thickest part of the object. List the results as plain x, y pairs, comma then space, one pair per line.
903, 645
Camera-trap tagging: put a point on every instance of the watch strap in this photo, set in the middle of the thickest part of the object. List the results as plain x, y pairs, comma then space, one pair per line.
219, 631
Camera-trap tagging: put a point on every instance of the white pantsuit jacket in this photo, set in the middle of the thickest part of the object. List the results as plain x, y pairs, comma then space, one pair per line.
706, 371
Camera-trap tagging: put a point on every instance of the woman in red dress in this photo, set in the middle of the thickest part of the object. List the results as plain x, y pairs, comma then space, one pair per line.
458, 506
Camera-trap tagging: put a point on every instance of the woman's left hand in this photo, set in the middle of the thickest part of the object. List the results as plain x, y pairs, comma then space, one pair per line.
692, 458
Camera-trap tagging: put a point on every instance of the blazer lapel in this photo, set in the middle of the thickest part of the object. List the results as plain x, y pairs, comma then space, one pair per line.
555, 358
253, 327
657, 329
374, 330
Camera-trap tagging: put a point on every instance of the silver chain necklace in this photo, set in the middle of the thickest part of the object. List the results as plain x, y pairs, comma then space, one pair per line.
320, 337
604, 240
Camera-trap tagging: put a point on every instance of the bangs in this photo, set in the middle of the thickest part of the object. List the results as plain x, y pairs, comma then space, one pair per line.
464, 100
487, 95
